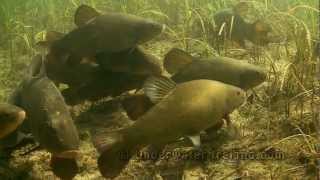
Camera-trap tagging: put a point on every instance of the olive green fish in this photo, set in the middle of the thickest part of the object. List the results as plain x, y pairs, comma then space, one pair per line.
109, 32
184, 67
48, 118
181, 110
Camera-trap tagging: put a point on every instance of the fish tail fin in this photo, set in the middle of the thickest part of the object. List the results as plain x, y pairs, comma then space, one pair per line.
64, 168
115, 153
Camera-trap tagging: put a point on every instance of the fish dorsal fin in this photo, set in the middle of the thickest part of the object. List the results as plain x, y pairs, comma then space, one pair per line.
176, 59
158, 87
43, 70
84, 14
195, 139
38, 68
48, 38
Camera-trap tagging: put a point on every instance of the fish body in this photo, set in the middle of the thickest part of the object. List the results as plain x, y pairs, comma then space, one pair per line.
190, 108
185, 110
185, 68
231, 25
109, 32
48, 117
134, 61
105, 84
117, 73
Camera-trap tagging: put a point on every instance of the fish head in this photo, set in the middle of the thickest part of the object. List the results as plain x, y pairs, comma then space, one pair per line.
251, 77
146, 30
10, 118
235, 98
12, 112
63, 133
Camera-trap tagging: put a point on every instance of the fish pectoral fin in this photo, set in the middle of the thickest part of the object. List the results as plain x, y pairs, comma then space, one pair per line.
176, 59
84, 14
195, 139
158, 87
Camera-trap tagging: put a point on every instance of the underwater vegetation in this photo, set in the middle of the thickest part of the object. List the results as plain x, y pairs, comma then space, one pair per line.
159, 89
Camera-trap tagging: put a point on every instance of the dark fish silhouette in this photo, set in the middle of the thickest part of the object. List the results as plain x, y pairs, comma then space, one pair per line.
105, 84
48, 117
73, 75
109, 32
231, 25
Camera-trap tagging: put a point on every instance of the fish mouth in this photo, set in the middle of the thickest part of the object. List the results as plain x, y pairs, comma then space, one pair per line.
68, 154
149, 31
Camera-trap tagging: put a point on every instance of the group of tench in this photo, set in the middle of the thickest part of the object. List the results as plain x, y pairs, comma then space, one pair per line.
103, 57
